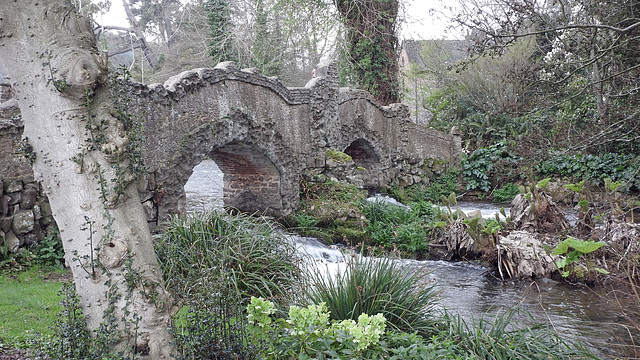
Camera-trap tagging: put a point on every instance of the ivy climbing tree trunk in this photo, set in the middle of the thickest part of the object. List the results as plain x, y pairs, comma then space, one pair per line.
84, 161
373, 45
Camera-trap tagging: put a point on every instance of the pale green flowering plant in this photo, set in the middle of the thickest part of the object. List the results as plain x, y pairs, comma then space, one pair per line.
308, 333
259, 310
313, 318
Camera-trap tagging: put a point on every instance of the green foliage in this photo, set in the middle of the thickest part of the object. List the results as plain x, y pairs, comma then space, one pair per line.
207, 249
215, 328
484, 232
13, 260
594, 168
49, 251
438, 186
506, 193
476, 168
220, 46
506, 336
405, 228
371, 46
404, 295
335, 207
69, 338
308, 334
573, 260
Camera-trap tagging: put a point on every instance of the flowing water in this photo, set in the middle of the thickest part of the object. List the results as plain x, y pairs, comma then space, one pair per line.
591, 316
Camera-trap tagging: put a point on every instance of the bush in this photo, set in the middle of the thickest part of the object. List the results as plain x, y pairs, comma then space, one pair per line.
594, 168
506, 193
476, 168
404, 296
394, 225
256, 258
437, 187
49, 251
71, 339
308, 334
215, 328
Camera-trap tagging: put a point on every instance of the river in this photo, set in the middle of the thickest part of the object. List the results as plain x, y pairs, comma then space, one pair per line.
590, 315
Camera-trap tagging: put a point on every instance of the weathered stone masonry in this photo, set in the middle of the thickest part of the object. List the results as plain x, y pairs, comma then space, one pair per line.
264, 137
25, 215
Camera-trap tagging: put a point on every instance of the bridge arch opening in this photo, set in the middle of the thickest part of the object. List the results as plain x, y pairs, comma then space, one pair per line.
204, 188
364, 156
251, 181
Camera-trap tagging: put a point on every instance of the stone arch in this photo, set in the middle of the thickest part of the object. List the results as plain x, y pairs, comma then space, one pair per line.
251, 180
365, 157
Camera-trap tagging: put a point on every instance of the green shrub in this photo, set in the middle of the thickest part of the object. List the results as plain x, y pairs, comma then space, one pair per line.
506, 193
404, 296
256, 258
307, 333
70, 339
403, 227
215, 327
476, 167
49, 251
594, 168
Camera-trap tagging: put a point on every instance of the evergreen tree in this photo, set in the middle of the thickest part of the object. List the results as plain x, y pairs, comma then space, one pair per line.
221, 31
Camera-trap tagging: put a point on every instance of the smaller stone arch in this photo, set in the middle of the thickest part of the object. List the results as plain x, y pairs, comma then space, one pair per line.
251, 179
366, 159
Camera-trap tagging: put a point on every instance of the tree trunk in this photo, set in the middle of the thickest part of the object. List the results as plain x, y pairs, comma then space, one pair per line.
135, 28
373, 45
50, 55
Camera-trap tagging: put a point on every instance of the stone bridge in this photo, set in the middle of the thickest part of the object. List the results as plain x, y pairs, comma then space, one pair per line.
265, 136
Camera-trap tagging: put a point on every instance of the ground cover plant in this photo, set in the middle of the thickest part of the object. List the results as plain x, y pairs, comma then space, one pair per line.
393, 226
28, 304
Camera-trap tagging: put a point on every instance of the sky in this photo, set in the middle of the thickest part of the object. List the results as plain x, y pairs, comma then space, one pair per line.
421, 24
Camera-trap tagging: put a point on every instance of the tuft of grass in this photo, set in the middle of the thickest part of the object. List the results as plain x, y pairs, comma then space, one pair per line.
377, 285
29, 304
504, 336
206, 250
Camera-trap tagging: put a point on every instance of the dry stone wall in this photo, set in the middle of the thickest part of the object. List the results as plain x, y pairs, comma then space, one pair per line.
25, 215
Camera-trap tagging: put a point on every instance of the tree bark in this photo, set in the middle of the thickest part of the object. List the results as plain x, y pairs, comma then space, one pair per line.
373, 45
50, 55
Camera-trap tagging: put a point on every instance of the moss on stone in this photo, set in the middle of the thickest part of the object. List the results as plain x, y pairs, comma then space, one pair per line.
338, 156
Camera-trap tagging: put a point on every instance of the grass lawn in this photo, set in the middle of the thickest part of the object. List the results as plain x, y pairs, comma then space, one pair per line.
28, 303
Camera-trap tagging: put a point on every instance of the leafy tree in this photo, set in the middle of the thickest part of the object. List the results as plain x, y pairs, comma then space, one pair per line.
220, 46
85, 161
586, 48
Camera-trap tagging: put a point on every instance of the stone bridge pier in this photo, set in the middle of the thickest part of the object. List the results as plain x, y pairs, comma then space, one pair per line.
265, 136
